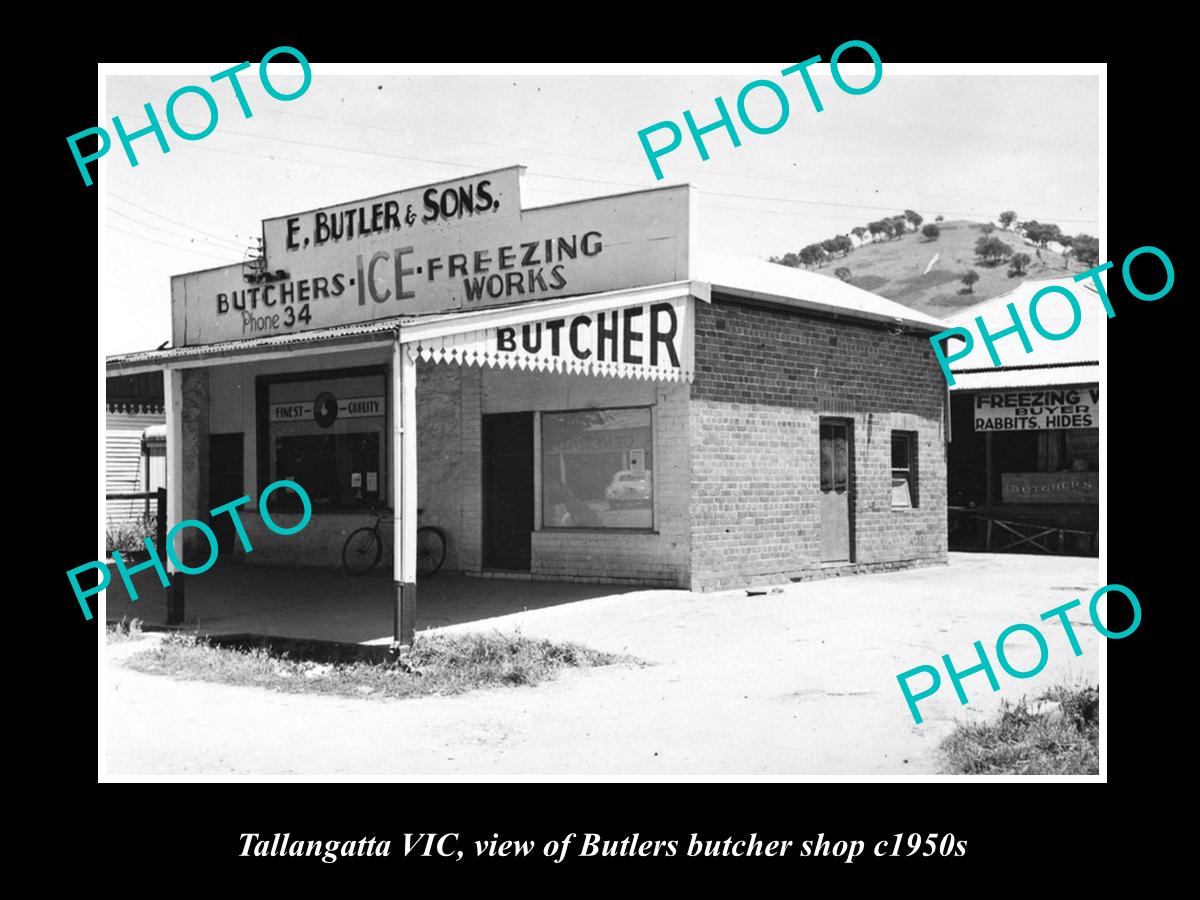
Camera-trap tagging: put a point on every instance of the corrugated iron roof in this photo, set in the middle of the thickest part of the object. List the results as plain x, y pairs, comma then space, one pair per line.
335, 332
1041, 376
801, 289
1055, 314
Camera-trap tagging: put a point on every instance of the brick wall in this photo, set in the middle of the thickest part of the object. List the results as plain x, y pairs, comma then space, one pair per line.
440, 461
764, 378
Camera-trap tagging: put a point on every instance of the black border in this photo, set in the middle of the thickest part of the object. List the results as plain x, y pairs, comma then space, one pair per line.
1043, 837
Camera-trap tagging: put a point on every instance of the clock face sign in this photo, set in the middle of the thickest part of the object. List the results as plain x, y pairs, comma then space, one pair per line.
325, 409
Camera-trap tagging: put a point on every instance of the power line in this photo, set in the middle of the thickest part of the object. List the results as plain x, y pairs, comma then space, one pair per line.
170, 205
475, 166
173, 246
622, 162
275, 158
239, 244
892, 209
187, 237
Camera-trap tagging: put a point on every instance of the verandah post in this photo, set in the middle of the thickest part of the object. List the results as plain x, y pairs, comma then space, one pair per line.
404, 494
173, 394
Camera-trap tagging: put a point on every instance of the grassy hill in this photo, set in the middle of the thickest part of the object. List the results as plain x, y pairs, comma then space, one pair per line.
897, 269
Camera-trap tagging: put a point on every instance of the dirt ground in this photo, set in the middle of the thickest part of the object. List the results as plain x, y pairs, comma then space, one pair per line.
801, 682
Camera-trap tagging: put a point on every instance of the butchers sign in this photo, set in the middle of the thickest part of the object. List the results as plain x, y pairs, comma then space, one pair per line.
1036, 409
1050, 487
463, 244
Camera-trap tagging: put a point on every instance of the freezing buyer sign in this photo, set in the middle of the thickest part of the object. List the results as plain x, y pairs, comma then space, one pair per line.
1038, 409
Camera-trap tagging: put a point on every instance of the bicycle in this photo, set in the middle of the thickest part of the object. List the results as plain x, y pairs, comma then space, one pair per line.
364, 548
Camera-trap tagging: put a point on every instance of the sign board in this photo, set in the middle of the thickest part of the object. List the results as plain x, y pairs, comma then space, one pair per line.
1035, 409
644, 340
498, 254
308, 239
325, 409
1050, 487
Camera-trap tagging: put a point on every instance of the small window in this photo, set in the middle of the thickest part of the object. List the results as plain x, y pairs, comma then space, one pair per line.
597, 469
904, 470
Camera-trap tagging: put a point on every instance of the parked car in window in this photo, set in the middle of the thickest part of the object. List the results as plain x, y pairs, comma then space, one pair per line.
628, 489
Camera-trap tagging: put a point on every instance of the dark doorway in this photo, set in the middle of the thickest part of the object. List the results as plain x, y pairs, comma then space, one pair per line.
225, 483
507, 490
835, 491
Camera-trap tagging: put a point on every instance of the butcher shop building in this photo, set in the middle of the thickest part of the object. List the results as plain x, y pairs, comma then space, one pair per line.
569, 393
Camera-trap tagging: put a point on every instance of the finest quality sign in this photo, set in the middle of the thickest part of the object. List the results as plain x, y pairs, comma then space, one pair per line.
647, 340
1075, 406
358, 262
326, 408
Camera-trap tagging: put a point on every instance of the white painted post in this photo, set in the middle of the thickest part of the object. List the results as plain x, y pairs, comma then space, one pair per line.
404, 493
173, 395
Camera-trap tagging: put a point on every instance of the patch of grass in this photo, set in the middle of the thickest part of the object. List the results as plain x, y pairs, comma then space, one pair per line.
868, 282
438, 664
130, 536
118, 632
1058, 735
924, 281
959, 300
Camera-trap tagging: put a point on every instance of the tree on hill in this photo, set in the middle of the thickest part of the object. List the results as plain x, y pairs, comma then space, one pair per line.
860, 233
1086, 249
1018, 264
899, 224
1066, 241
843, 243
829, 245
938, 218
791, 260
842, 272
1050, 233
812, 255
969, 280
931, 232
992, 250
1007, 218
1041, 234
987, 229
914, 218
877, 228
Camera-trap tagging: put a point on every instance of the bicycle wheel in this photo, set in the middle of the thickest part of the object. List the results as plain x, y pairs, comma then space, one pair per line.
362, 551
431, 550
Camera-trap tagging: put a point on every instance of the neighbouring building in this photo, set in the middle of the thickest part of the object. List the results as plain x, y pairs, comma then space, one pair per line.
135, 435
1025, 436
571, 392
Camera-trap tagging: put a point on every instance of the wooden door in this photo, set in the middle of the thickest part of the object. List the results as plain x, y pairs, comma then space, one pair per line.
836, 508
507, 491
225, 483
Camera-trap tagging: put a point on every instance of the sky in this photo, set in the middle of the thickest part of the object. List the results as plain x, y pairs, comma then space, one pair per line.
962, 146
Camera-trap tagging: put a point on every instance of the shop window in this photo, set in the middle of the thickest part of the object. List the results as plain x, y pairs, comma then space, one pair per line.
329, 435
598, 469
904, 469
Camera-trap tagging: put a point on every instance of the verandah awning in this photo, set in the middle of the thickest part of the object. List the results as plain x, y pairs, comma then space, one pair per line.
463, 336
